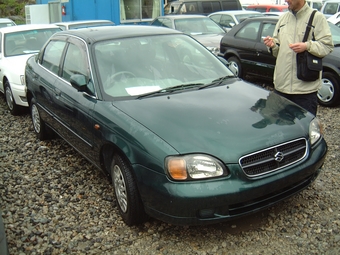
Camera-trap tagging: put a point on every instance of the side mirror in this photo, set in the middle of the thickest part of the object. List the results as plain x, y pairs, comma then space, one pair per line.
79, 82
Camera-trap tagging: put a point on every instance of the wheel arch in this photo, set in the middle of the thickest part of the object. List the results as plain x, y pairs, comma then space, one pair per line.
107, 153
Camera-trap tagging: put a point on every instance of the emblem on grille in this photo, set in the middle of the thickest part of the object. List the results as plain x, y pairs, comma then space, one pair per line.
278, 156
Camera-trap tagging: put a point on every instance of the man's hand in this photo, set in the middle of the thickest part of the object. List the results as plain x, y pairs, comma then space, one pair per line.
298, 47
269, 41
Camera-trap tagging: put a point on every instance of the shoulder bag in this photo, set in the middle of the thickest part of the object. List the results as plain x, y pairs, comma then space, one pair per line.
308, 65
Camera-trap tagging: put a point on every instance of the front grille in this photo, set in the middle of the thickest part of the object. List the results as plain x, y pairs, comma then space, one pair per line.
274, 158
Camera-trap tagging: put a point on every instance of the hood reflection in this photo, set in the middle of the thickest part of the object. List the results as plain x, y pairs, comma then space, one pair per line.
276, 110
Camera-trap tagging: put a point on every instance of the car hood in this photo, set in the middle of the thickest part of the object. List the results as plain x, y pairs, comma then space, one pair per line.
209, 40
17, 63
227, 121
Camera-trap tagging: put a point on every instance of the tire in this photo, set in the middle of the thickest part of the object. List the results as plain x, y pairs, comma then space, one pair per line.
39, 125
329, 94
236, 65
12, 106
129, 203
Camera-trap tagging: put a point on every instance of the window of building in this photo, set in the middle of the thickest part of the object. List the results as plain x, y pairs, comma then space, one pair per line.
137, 10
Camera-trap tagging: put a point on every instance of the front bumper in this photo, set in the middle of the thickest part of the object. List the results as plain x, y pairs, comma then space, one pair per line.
217, 200
19, 94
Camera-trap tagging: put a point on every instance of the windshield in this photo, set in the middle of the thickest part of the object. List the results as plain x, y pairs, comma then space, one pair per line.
26, 42
198, 26
335, 31
140, 65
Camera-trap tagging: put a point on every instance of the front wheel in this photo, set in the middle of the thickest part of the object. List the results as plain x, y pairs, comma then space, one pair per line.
12, 106
235, 64
329, 94
130, 205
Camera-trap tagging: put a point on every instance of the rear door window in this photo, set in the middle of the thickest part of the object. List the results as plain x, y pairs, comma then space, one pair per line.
52, 55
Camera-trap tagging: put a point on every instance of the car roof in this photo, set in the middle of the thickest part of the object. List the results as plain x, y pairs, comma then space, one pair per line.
95, 34
268, 5
182, 16
83, 22
26, 27
274, 18
235, 12
3, 20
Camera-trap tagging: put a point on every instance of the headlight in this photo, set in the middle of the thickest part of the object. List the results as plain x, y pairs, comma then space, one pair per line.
194, 166
315, 130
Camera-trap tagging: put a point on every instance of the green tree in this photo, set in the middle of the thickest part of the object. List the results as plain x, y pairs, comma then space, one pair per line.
14, 9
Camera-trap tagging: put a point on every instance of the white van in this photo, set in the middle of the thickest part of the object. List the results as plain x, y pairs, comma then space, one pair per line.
330, 7
315, 4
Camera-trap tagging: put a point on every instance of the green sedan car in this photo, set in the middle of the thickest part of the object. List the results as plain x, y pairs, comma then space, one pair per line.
181, 137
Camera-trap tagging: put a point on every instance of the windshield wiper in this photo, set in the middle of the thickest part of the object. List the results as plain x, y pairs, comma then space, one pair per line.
172, 89
218, 81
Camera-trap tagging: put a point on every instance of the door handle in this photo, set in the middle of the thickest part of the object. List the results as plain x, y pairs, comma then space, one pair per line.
57, 92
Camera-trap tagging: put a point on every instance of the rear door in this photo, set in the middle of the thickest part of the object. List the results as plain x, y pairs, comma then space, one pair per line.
46, 77
245, 44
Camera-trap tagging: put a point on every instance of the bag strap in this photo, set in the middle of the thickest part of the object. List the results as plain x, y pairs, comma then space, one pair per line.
309, 25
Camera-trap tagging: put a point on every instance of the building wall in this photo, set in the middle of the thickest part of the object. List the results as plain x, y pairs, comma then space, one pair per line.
106, 9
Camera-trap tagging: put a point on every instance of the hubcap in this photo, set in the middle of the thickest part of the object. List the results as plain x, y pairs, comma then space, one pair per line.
326, 93
234, 67
35, 118
9, 98
120, 188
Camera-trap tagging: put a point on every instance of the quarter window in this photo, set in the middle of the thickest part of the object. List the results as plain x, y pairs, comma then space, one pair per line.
52, 55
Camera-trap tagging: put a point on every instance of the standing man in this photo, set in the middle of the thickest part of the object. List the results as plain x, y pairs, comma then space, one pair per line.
287, 41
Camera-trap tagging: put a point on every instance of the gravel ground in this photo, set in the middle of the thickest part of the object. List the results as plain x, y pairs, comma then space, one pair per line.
54, 202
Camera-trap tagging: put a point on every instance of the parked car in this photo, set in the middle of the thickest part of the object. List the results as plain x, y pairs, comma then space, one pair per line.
18, 43
203, 7
3, 239
330, 7
228, 19
5, 22
243, 46
156, 111
200, 27
267, 7
335, 19
66, 25
273, 13
315, 4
